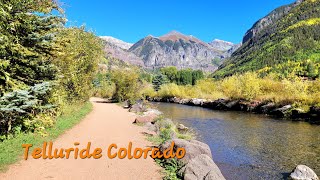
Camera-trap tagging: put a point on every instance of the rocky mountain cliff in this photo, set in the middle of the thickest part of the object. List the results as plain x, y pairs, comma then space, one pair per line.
176, 49
117, 42
118, 49
287, 41
268, 20
221, 45
172, 49
224, 46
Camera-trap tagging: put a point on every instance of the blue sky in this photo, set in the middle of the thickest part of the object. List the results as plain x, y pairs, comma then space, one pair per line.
132, 20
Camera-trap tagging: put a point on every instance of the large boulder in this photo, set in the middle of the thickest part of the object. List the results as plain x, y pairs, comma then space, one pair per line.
220, 104
196, 102
193, 148
233, 105
138, 108
265, 109
153, 112
149, 115
302, 172
151, 127
315, 110
299, 114
182, 128
202, 167
144, 119
176, 100
184, 101
281, 112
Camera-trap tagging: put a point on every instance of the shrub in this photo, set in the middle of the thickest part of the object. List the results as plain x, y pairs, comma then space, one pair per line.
148, 91
231, 87
249, 85
170, 90
127, 84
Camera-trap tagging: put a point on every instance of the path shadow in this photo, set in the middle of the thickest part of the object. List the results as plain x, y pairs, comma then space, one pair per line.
105, 101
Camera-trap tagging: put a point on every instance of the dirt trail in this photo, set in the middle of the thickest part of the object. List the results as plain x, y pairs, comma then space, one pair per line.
105, 125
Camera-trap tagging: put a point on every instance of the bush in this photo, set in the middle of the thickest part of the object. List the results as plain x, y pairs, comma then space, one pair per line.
231, 87
171, 90
250, 86
127, 84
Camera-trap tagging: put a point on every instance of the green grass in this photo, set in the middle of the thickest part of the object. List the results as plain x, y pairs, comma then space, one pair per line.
11, 150
171, 168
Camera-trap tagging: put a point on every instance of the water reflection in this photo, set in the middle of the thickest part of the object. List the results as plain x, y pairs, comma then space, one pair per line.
249, 146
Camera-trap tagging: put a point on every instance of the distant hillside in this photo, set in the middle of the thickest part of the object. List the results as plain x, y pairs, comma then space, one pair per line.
172, 49
286, 41
176, 49
117, 42
115, 49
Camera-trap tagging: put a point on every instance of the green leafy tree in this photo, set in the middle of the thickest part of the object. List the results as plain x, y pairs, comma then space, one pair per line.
127, 84
171, 72
78, 55
184, 77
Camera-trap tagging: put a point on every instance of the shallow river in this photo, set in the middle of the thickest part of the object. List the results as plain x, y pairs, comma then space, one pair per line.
249, 146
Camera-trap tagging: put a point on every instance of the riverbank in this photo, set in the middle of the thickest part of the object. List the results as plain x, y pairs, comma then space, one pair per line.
107, 124
197, 162
268, 108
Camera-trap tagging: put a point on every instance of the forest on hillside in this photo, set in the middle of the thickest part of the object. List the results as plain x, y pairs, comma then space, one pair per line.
288, 46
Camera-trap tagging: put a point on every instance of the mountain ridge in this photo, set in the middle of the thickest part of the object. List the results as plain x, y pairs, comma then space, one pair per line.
171, 49
288, 45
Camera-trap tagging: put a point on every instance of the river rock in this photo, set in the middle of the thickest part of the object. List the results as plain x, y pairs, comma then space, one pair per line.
184, 101
126, 105
152, 112
202, 167
182, 127
144, 119
151, 127
315, 110
233, 105
298, 113
281, 112
138, 108
193, 148
302, 172
265, 109
196, 102
176, 100
252, 106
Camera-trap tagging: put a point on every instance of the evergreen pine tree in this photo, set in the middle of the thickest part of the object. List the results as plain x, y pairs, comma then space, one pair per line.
159, 80
27, 31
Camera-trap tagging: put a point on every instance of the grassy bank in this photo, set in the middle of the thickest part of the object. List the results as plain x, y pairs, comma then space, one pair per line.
11, 149
296, 91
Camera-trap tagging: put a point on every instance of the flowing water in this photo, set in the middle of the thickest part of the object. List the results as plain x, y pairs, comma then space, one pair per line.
249, 146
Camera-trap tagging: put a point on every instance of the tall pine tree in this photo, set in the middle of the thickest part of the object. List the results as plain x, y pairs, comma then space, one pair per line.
27, 31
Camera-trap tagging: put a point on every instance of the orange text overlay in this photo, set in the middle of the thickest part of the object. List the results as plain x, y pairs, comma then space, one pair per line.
113, 151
